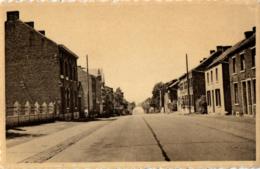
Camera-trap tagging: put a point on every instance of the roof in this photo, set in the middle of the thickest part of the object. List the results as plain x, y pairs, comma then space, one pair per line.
168, 84
203, 65
175, 83
68, 50
233, 49
46, 38
37, 32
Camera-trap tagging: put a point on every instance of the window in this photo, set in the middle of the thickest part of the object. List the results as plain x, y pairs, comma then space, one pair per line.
234, 65
218, 98
66, 69
242, 62
211, 74
208, 98
216, 74
236, 92
253, 57
254, 92
208, 77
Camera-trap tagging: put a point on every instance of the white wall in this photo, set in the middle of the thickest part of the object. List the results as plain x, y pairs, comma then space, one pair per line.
216, 84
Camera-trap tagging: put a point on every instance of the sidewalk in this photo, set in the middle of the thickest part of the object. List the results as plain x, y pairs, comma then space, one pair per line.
24, 134
244, 119
239, 126
55, 142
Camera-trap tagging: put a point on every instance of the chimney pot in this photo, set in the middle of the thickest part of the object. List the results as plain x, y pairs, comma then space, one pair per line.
219, 48
254, 29
248, 34
12, 15
42, 32
31, 24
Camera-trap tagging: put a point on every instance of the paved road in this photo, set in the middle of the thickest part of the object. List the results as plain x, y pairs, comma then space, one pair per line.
156, 137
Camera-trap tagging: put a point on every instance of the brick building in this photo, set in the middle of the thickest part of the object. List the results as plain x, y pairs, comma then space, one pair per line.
38, 69
242, 72
196, 83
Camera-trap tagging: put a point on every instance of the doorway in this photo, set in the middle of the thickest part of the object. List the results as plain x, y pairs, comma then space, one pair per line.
213, 101
244, 96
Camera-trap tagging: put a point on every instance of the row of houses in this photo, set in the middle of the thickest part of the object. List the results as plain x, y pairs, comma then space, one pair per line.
223, 83
42, 77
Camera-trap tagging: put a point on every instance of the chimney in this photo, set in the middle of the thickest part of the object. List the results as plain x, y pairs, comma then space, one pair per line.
253, 29
248, 34
220, 48
203, 60
212, 51
225, 48
12, 15
42, 32
31, 24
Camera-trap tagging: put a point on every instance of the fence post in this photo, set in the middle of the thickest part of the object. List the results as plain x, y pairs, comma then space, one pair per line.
17, 109
37, 110
27, 109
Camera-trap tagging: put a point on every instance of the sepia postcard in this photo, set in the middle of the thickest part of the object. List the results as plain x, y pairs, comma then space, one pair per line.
130, 84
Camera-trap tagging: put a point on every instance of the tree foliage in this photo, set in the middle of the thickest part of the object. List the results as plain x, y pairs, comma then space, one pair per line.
157, 89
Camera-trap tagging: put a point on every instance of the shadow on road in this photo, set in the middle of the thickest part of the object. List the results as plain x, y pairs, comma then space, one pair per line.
12, 135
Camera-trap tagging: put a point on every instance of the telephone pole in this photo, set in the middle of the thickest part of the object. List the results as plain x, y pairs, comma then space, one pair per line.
188, 83
88, 85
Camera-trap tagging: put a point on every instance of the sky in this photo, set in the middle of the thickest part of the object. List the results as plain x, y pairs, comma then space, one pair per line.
140, 44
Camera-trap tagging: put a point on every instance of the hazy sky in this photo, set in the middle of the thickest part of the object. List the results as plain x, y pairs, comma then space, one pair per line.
140, 44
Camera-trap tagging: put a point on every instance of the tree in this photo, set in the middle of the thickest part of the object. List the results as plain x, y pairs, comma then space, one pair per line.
158, 90
146, 105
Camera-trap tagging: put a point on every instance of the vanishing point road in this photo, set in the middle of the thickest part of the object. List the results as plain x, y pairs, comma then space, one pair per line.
144, 137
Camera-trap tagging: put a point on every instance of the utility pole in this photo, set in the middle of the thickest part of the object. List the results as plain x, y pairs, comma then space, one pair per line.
88, 85
188, 83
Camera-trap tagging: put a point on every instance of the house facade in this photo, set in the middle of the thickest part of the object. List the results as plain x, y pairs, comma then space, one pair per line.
196, 84
87, 96
170, 96
97, 83
242, 70
38, 72
196, 90
218, 88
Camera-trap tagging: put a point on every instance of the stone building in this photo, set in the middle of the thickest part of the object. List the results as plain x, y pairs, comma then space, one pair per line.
196, 83
38, 69
242, 70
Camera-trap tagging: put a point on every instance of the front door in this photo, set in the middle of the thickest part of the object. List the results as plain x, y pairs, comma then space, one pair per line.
249, 97
213, 101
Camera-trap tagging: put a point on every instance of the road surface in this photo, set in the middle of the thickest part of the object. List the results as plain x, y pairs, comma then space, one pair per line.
144, 137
